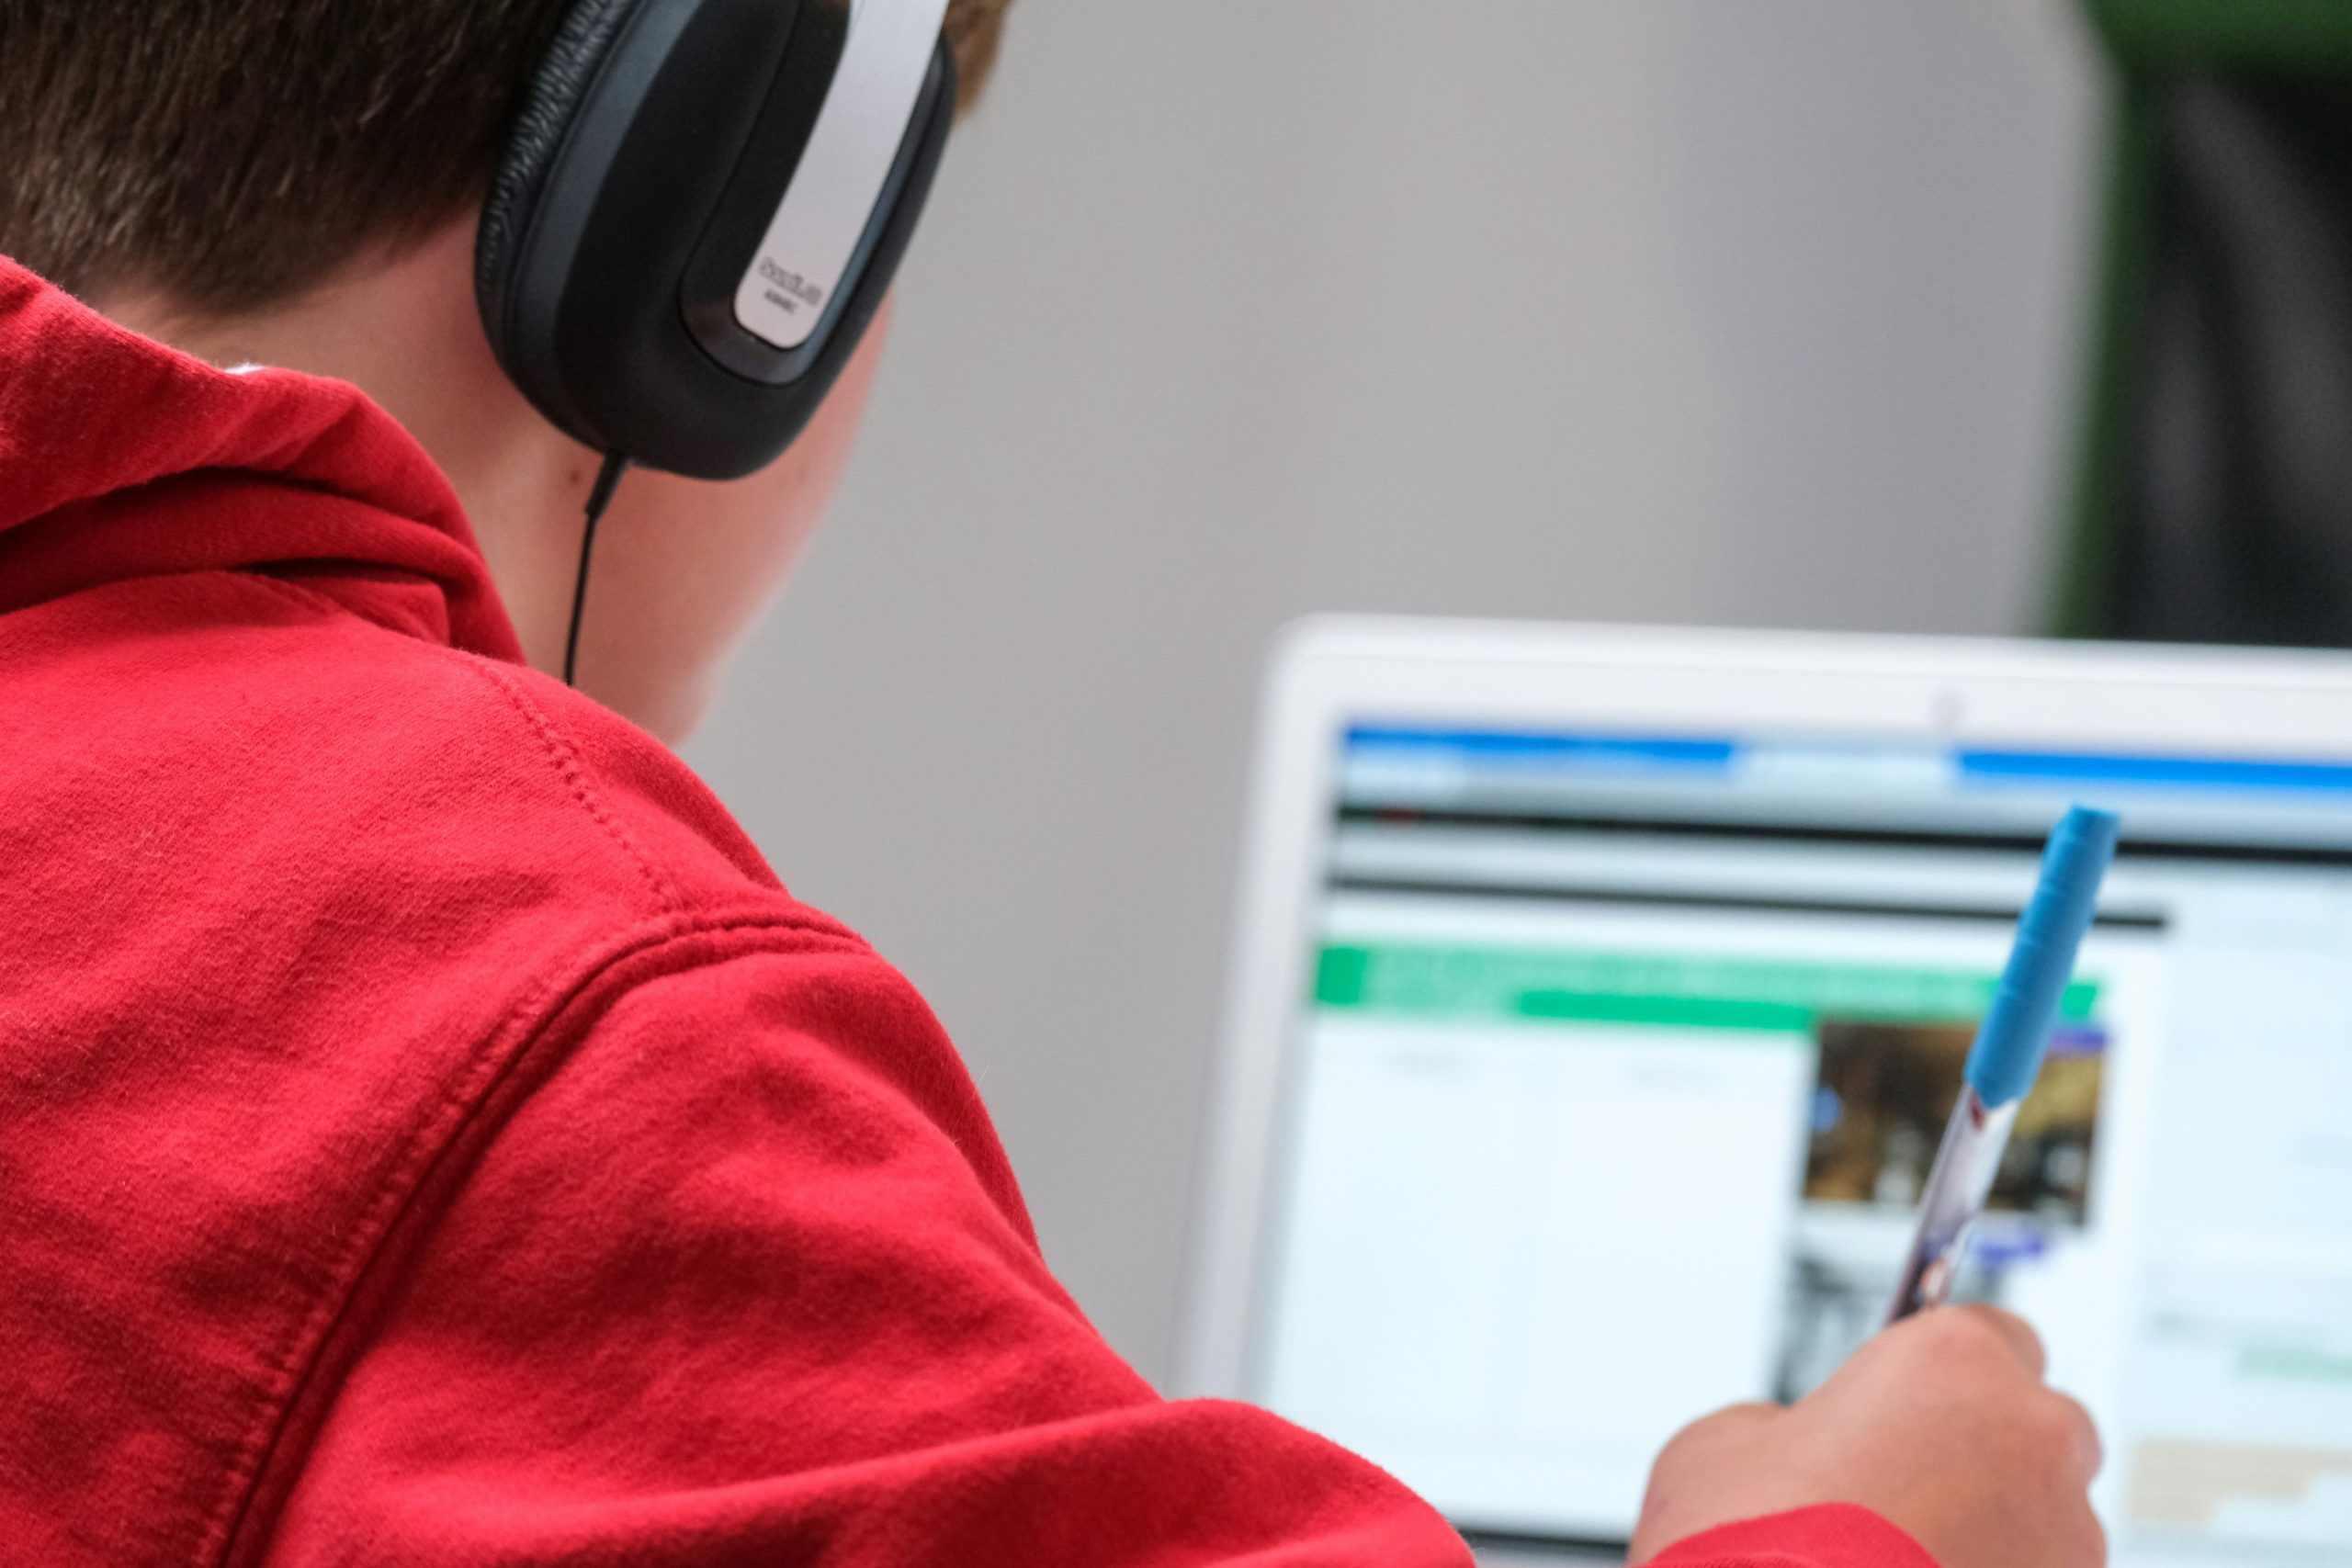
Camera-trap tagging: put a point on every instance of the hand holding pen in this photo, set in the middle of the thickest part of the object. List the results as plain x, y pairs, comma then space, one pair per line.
2000, 1477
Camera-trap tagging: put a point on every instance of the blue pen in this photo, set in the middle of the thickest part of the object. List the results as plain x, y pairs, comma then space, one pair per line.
2006, 1057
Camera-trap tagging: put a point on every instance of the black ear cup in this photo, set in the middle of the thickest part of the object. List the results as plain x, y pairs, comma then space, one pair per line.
548, 107
657, 143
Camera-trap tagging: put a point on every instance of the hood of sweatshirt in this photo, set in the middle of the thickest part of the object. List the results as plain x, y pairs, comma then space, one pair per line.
123, 458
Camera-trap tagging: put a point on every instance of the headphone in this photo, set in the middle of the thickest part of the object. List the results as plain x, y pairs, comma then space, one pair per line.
700, 209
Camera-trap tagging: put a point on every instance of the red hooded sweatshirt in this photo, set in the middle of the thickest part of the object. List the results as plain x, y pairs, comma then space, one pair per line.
430, 1134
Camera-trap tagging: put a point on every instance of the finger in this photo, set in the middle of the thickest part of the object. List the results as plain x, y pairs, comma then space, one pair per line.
1741, 1415
2086, 1540
2090, 1453
2014, 1332
1731, 1424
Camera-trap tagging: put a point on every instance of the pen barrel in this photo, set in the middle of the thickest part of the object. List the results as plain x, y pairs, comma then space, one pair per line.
1969, 1157
2007, 1056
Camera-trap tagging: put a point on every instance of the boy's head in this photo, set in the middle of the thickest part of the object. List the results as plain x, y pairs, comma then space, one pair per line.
296, 182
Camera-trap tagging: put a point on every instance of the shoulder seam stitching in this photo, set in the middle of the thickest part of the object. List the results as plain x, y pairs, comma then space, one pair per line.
565, 758
439, 1130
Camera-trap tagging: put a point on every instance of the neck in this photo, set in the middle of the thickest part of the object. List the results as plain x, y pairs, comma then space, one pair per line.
403, 328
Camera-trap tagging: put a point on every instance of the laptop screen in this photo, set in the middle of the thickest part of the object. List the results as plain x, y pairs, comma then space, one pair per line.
1624, 1058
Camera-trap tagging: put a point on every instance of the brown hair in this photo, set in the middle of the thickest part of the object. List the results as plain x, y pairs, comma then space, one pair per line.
230, 154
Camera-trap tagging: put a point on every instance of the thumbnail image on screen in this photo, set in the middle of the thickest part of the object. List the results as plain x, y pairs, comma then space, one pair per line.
1880, 1100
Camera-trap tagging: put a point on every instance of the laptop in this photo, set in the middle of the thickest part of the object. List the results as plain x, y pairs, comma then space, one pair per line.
1599, 996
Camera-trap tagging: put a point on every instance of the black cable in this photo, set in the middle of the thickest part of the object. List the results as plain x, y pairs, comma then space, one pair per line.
608, 479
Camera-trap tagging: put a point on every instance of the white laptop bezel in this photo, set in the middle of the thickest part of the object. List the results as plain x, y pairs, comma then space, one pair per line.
1327, 673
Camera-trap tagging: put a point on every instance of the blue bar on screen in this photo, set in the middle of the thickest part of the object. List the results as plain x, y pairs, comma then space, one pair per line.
1705, 756
2226, 773
1494, 748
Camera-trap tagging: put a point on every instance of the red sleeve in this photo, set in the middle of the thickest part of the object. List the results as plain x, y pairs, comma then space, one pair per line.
742, 1282
1834, 1537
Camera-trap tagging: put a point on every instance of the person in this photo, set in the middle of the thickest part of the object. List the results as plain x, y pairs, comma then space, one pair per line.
429, 1133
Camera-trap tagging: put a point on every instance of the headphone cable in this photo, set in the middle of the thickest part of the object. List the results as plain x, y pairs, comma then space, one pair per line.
608, 479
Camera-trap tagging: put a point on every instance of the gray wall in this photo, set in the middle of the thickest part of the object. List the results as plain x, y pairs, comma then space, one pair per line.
1755, 311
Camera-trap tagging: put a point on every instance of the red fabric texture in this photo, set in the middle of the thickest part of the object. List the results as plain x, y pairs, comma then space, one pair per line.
429, 1133
1834, 1537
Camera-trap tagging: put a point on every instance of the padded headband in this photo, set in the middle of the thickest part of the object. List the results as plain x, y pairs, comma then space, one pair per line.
701, 207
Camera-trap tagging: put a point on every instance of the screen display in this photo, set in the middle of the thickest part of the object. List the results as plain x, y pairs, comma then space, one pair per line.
1624, 1058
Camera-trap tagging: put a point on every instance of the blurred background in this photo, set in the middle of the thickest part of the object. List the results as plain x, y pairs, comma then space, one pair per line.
1735, 311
